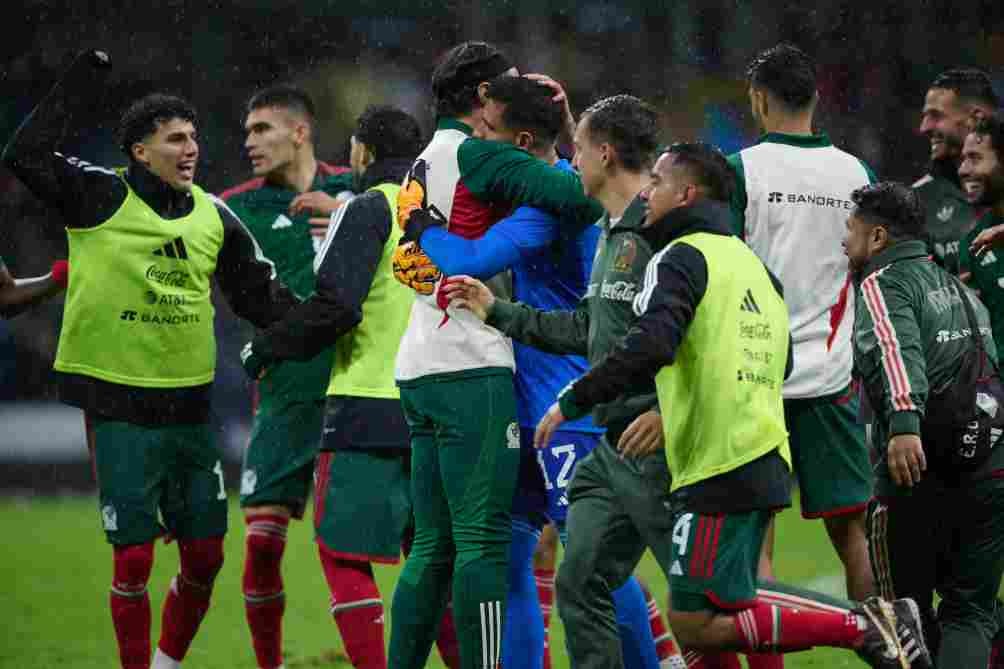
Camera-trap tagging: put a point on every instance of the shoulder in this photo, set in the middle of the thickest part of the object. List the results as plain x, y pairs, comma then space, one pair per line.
235, 194
922, 183
473, 149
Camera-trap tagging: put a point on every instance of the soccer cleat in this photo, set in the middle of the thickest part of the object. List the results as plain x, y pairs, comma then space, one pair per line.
910, 634
893, 638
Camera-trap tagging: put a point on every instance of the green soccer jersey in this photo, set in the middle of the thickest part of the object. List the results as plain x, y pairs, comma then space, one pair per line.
988, 275
287, 241
948, 217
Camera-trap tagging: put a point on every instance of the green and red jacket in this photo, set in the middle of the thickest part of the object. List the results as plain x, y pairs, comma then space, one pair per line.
910, 334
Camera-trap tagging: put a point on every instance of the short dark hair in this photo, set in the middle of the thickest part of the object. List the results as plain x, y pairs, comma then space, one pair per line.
969, 84
389, 132
529, 106
708, 165
992, 126
284, 96
456, 77
787, 73
892, 205
630, 124
144, 116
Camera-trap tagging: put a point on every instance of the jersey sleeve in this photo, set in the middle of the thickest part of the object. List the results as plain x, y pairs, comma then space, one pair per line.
890, 353
666, 308
499, 172
85, 194
346, 266
526, 232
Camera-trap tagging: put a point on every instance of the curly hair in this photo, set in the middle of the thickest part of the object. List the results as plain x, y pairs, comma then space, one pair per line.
389, 132
456, 77
787, 73
630, 125
892, 205
145, 115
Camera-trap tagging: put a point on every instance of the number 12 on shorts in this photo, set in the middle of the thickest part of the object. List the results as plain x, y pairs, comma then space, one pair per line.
564, 452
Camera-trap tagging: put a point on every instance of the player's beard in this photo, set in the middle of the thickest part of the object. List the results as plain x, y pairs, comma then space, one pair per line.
947, 167
993, 190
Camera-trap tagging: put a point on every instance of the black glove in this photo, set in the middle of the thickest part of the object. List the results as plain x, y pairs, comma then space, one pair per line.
254, 364
419, 221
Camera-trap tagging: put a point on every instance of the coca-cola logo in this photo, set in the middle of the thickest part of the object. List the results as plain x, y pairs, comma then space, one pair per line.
174, 278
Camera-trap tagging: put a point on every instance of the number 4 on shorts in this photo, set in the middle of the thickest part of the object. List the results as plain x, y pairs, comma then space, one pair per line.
681, 537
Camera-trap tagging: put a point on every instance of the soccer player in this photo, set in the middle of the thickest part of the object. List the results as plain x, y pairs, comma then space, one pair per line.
939, 478
549, 270
362, 503
615, 505
792, 196
982, 174
137, 351
713, 332
954, 98
455, 374
279, 459
17, 295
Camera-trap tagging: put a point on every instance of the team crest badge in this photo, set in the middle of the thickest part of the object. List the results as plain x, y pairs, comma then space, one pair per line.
109, 518
512, 436
249, 481
625, 256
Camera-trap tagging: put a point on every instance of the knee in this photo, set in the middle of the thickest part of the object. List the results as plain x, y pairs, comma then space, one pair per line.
266, 540
201, 560
132, 566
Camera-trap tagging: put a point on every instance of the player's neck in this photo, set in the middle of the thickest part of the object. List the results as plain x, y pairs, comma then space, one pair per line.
548, 155
298, 175
790, 124
620, 190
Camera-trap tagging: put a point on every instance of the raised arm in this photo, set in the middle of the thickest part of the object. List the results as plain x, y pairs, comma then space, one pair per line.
526, 232
502, 173
85, 194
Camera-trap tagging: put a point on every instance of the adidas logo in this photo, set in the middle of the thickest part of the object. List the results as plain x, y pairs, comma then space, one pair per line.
945, 213
749, 304
281, 222
173, 249
988, 259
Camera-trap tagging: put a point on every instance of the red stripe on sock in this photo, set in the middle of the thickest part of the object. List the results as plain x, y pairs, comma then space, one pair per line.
322, 477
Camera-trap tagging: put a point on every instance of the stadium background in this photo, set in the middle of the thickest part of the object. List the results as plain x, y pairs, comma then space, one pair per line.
875, 61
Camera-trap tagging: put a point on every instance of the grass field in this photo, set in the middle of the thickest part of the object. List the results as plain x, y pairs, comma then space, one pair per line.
56, 569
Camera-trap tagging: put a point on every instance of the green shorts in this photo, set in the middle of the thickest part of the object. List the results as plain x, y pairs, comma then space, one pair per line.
715, 559
829, 454
172, 470
279, 459
362, 503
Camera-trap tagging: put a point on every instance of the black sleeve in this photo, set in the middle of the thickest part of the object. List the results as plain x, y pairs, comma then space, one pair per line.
666, 307
85, 194
346, 266
789, 364
246, 277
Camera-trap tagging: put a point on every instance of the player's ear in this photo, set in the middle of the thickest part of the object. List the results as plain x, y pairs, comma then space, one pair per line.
524, 140
301, 134
138, 152
483, 93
